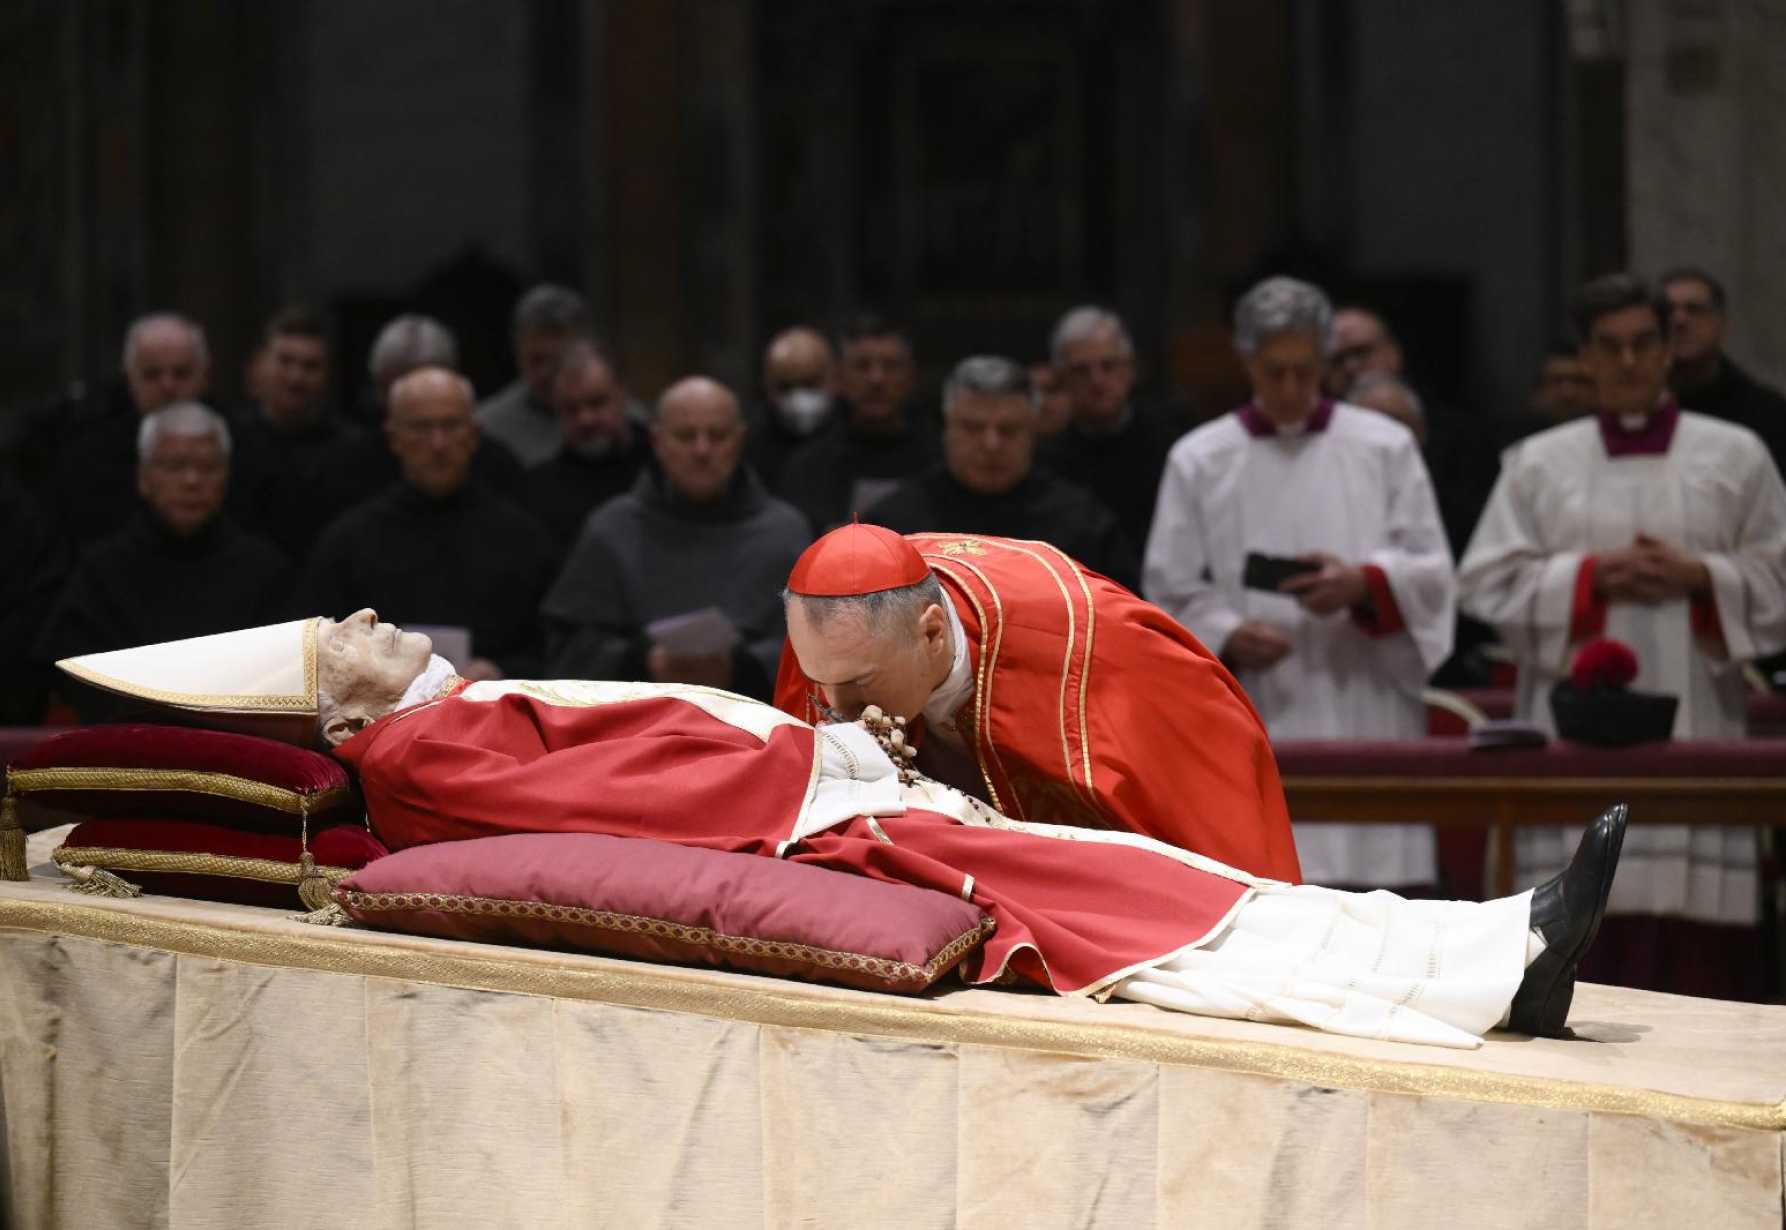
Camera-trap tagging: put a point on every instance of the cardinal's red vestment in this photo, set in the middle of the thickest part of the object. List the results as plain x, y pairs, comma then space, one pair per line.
1094, 708
702, 767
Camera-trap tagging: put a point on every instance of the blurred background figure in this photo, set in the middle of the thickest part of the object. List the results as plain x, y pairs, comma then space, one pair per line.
877, 436
438, 547
1390, 395
799, 397
179, 567
1110, 446
600, 451
1703, 376
547, 319
697, 545
988, 482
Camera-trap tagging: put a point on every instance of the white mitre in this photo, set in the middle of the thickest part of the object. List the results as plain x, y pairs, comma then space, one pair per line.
259, 681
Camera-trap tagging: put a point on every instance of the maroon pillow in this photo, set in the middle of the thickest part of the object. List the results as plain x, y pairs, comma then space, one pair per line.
182, 773
188, 858
634, 897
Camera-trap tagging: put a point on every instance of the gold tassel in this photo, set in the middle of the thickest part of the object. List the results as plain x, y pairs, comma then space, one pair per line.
12, 841
330, 915
314, 888
99, 882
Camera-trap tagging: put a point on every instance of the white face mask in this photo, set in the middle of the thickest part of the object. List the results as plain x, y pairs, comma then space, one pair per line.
802, 410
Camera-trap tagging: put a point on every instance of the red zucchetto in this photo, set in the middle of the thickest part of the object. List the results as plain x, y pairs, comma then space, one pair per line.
856, 559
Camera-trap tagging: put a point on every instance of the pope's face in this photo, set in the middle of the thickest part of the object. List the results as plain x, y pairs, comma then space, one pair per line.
855, 663
364, 664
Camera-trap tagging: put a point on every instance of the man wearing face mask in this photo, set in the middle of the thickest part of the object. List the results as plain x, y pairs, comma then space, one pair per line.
799, 392
600, 453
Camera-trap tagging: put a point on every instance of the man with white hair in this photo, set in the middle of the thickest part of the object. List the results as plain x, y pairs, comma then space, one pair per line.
78, 455
438, 546
989, 482
409, 343
1111, 446
179, 567
1300, 537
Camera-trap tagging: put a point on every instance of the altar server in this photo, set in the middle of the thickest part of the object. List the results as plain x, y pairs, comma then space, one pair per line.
1344, 649
1664, 529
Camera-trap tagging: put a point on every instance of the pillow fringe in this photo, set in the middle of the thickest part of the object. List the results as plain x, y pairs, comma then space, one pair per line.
12, 841
98, 882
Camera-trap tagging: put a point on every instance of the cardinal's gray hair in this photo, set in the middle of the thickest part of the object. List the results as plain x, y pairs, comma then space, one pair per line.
877, 608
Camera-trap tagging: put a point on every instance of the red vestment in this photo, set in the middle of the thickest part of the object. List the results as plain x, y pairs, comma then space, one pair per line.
1094, 708
519, 757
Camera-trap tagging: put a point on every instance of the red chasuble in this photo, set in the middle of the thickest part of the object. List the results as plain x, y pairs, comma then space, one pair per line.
1094, 708
704, 768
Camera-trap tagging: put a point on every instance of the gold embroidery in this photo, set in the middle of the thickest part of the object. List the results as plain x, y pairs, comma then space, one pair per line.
186, 781
112, 858
962, 546
885, 969
1091, 629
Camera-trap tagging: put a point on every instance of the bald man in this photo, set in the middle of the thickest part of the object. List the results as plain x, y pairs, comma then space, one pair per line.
799, 394
77, 456
697, 534
438, 547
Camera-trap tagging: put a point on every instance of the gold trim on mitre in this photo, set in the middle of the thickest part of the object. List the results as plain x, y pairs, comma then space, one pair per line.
261, 680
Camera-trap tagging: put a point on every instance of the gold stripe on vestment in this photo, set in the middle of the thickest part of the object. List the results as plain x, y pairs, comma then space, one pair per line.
984, 747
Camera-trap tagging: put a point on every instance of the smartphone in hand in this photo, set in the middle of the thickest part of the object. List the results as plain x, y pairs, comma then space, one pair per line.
1270, 571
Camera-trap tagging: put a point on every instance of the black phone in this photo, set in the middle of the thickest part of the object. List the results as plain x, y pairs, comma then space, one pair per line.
1270, 571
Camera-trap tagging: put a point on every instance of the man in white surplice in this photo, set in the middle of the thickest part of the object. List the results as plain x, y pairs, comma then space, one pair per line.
1343, 651
1657, 527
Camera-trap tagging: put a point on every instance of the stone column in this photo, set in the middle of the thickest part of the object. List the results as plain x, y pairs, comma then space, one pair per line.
1706, 152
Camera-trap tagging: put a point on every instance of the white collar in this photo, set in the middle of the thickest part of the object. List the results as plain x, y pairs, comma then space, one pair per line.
430, 683
959, 684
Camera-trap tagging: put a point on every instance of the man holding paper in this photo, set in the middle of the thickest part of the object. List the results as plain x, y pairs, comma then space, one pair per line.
1300, 538
677, 580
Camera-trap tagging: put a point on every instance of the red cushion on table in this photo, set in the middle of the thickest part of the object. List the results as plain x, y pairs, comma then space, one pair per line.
650, 899
133, 847
185, 773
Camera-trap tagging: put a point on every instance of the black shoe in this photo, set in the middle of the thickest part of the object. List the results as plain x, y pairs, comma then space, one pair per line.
1566, 912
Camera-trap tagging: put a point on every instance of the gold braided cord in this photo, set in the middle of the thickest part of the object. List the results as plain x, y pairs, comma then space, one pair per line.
186, 781
790, 1004
886, 969
12, 841
113, 858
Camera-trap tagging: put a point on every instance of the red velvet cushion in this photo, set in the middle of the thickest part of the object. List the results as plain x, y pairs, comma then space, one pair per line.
183, 773
639, 898
186, 858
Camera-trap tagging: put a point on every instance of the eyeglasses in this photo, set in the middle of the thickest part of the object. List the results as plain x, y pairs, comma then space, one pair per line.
179, 465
